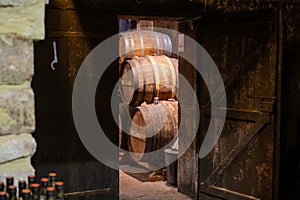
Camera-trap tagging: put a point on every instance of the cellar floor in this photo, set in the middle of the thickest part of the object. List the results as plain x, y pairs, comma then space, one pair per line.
132, 188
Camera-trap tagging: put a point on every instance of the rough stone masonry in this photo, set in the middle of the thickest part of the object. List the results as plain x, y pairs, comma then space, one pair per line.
21, 22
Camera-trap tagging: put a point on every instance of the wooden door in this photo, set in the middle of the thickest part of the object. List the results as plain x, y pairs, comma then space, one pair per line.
241, 165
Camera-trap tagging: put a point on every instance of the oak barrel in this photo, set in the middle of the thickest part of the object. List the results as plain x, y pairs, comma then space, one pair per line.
142, 43
153, 127
147, 77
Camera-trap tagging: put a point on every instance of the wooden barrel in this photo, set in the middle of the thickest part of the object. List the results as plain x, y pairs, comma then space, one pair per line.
140, 43
147, 77
153, 127
125, 112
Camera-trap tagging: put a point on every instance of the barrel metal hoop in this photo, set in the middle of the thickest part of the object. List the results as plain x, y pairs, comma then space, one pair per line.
174, 75
126, 44
132, 44
157, 42
166, 47
142, 43
156, 76
170, 45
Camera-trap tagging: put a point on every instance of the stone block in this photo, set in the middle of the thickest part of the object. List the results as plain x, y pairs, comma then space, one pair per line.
16, 109
26, 21
16, 2
19, 168
16, 146
16, 57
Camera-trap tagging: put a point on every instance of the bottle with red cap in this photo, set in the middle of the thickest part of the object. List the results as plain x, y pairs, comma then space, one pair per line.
50, 193
3, 195
25, 193
12, 192
35, 191
52, 179
59, 188
31, 180
22, 186
2, 186
9, 182
44, 186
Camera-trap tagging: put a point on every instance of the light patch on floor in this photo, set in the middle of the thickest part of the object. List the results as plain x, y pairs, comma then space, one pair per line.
131, 188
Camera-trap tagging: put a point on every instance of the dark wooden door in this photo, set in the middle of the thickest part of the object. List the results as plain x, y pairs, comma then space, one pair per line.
244, 47
75, 33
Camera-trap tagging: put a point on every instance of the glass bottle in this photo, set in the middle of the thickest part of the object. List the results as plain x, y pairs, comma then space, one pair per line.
35, 191
12, 192
59, 188
31, 180
9, 182
44, 185
22, 186
50, 193
52, 179
25, 193
2, 186
3, 195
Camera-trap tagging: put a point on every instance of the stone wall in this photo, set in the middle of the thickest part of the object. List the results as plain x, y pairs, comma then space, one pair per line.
21, 22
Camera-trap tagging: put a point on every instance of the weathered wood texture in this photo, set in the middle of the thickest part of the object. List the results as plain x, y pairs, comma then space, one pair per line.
188, 162
138, 7
242, 162
59, 146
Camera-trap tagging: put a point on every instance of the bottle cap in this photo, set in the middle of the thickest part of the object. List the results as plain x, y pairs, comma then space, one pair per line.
31, 176
52, 174
12, 187
35, 185
50, 188
44, 179
25, 191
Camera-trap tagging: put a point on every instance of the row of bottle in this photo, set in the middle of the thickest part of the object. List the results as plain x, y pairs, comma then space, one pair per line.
48, 189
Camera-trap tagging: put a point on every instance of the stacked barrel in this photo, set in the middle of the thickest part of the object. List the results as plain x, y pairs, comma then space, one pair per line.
149, 83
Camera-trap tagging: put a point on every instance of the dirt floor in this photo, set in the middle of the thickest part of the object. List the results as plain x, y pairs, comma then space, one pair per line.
133, 188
